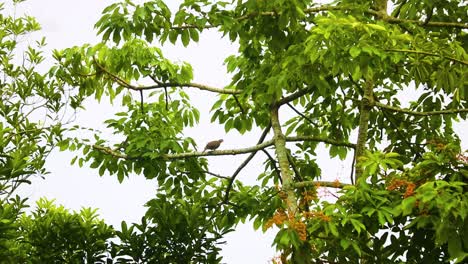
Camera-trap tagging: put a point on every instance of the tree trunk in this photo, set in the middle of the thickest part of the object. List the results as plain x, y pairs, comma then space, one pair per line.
282, 156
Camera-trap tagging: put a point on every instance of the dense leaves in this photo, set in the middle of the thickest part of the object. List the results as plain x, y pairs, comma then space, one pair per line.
342, 70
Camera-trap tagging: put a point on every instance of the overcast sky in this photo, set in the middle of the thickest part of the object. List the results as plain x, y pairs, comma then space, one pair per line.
69, 23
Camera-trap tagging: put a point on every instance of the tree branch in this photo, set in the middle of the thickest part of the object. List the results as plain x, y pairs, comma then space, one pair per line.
366, 104
300, 114
429, 54
294, 167
328, 184
293, 96
385, 17
255, 148
394, 20
282, 157
382, 15
273, 162
407, 111
159, 85
216, 175
243, 164
320, 139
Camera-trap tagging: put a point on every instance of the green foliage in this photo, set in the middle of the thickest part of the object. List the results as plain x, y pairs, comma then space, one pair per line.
169, 228
30, 105
51, 234
340, 68
324, 57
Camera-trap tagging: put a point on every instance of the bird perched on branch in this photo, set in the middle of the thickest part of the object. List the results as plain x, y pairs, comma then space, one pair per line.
212, 145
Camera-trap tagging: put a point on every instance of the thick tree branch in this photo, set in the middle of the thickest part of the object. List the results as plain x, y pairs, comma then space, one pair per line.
264, 145
429, 54
379, 14
158, 85
329, 184
416, 113
282, 157
364, 113
390, 19
294, 96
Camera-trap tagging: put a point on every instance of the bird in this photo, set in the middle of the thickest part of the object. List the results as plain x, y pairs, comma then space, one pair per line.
212, 145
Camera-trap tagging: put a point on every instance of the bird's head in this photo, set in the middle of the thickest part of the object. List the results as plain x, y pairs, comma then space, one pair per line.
221, 140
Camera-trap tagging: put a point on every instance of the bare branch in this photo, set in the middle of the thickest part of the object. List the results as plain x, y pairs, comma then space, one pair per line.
160, 85
294, 167
300, 114
320, 139
255, 148
273, 162
216, 175
294, 96
243, 164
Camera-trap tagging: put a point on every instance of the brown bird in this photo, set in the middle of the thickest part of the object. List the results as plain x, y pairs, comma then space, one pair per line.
212, 145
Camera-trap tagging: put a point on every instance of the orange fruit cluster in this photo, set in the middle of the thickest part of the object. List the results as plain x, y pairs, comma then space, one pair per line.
395, 184
301, 229
278, 219
318, 214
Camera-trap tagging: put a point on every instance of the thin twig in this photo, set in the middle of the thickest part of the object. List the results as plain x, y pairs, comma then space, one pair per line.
273, 163
239, 104
300, 114
243, 164
294, 167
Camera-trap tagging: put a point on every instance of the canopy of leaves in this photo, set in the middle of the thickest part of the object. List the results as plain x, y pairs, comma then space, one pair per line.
342, 68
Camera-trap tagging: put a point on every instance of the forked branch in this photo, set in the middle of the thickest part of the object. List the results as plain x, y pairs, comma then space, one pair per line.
159, 85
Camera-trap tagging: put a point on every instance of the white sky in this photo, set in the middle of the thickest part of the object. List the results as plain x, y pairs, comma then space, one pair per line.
69, 23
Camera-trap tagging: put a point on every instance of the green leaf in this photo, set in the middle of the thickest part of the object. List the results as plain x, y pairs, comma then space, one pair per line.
356, 248
407, 205
333, 229
358, 226
185, 38
354, 52
345, 243
194, 34
357, 74
173, 36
